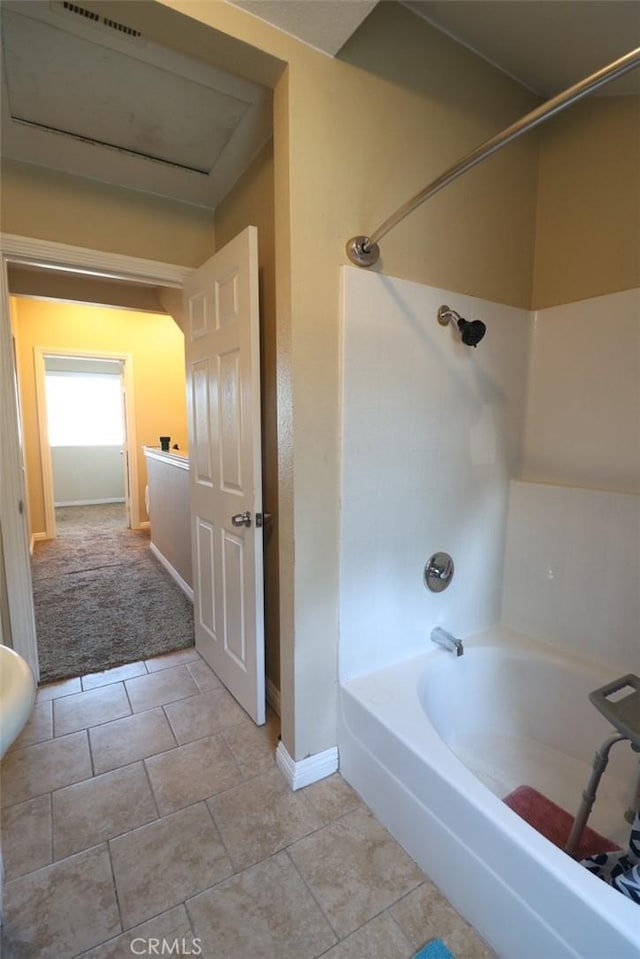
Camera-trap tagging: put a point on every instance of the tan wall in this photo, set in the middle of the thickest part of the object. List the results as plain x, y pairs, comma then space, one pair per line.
588, 223
360, 137
251, 202
66, 209
157, 347
353, 138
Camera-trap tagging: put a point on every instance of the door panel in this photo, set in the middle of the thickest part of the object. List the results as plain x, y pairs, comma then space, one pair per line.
223, 369
206, 613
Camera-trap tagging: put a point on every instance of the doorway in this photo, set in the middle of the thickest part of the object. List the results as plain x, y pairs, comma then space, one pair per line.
14, 464
99, 599
85, 412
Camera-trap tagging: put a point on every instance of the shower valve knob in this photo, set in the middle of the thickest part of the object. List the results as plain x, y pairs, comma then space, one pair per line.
438, 572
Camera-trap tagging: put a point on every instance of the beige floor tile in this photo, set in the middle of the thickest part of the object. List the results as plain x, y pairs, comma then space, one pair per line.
250, 743
39, 769
160, 865
39, 726
26, 836
61, 910
177, 658
170, 926
203, 675
355, 869
125, 740
55, 690
159, 688
258, 767
191, 773
115, 675
90, 708
425, 914
265, 912
98, 809
203, 715
380, 938
332, 797
260, 817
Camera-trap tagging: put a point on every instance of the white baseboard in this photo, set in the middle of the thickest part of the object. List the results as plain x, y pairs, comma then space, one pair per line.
308, 770
273, 696
36, 538
184, 586
89, 502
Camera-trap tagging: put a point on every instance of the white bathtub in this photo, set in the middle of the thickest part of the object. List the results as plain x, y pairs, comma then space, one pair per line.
517, 712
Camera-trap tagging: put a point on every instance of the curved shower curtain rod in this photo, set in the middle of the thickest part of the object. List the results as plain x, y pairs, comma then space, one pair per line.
364, 250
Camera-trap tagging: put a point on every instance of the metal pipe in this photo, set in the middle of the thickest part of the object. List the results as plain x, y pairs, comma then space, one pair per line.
600, 761
364, 250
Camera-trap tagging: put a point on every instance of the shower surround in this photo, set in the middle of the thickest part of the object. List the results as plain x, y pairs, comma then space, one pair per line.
434, 433
489, 454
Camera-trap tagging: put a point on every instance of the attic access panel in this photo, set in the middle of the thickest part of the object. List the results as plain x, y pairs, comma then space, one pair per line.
94, 101
79, 87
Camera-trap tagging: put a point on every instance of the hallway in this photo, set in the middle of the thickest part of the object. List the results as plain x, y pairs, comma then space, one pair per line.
101, 599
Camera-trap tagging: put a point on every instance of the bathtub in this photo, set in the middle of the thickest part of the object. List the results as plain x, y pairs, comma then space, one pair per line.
516, 712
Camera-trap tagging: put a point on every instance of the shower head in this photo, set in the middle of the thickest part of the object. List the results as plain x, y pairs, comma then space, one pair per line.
471, 331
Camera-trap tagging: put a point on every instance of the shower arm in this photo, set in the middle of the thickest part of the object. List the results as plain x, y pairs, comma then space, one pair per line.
364, 250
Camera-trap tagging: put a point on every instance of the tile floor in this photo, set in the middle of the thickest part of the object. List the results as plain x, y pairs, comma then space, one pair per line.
143, 804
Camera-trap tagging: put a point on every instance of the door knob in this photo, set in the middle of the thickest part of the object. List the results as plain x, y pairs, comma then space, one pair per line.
241, 519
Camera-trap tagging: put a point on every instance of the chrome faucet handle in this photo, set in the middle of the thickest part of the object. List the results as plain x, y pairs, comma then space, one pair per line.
438, 572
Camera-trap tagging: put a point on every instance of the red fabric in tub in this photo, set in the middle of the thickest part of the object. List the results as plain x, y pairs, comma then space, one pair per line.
553, 822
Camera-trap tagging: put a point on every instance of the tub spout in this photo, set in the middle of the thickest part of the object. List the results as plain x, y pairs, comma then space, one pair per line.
445, 639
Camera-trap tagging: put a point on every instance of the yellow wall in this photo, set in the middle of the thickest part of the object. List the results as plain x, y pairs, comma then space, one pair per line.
588, 223
157, 347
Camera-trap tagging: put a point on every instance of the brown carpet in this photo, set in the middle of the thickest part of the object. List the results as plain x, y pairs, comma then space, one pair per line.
101, 598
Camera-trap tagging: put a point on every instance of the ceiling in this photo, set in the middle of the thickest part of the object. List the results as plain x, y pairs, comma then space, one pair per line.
547, 45
95, 98
324, 24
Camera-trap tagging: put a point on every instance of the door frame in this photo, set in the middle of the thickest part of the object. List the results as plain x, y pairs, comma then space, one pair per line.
13, 515
131, 464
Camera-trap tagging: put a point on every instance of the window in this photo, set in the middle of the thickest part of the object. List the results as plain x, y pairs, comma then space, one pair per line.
84, 409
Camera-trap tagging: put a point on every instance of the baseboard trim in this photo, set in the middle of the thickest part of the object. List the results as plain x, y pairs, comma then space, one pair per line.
89, 502
145, 524
36, 538
175, 575
308, 770
273, 696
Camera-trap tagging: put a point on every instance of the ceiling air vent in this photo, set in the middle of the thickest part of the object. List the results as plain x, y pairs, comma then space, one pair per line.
96, 18
130, 32
74, 8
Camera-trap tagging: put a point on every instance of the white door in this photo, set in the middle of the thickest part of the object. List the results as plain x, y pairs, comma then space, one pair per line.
223, 384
